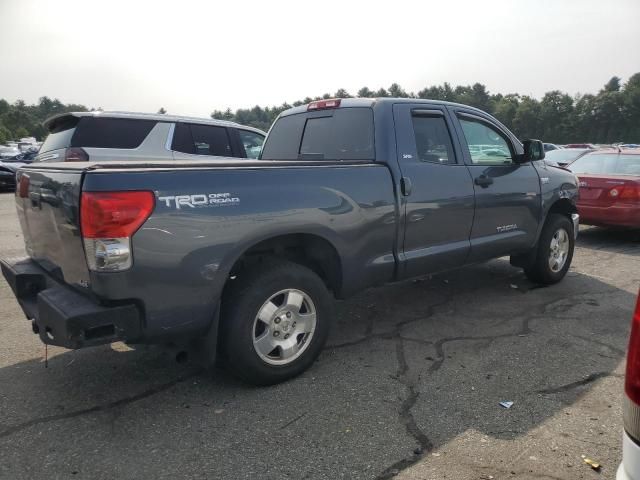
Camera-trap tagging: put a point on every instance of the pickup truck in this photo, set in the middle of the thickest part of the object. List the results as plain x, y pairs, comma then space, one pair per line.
238, 259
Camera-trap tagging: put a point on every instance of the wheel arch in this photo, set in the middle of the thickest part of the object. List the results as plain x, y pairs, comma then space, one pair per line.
563, 206
308, 249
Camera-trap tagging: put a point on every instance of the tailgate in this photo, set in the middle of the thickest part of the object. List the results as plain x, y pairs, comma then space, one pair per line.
47, 201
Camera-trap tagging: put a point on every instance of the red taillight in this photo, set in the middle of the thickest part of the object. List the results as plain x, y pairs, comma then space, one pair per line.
632, 378
75, 154
629, 193
114, 214
324, 104
23, 186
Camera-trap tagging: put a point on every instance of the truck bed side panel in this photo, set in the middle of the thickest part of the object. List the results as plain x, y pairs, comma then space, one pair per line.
205, 219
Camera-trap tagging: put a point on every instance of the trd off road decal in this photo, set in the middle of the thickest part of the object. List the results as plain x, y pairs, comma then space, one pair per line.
199, 200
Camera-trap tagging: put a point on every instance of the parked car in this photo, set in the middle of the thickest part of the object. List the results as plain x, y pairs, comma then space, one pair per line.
609, 188
117, 136
564, 156
8, 176
244, 254
580, 145
550, 146
8, 152
630, 466
25, 157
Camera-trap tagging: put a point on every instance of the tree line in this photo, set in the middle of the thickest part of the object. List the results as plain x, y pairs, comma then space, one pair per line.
611, 115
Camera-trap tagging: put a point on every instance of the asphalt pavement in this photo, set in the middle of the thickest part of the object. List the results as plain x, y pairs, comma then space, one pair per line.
409, 386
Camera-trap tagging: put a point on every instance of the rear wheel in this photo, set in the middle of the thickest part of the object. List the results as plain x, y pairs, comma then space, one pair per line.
275, 321
554, 251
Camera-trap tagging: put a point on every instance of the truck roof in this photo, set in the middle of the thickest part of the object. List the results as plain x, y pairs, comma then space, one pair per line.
159, 117
368, 102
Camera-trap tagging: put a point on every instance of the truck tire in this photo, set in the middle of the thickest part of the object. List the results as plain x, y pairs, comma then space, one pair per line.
275, 321
554, 251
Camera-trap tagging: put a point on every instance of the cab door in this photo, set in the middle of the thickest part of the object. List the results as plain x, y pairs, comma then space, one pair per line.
507, 193
437, 191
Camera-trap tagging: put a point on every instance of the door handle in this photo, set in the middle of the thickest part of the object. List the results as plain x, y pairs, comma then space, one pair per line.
405, 186
483, 181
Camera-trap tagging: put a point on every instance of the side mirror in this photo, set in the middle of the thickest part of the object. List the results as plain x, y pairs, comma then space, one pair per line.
533, 150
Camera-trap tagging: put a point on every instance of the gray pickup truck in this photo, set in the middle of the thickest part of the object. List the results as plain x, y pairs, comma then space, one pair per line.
238, 259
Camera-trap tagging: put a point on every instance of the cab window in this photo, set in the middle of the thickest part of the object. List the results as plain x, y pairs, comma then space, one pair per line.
487, 145
433, 142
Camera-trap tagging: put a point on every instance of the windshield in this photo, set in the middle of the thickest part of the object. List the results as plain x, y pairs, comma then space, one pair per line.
564, 155
608, 164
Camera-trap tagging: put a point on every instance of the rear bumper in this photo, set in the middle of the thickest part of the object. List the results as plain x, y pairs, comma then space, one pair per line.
64, 317
615, 215
630, 467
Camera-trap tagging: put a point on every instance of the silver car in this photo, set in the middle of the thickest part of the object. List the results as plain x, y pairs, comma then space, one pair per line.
114, 136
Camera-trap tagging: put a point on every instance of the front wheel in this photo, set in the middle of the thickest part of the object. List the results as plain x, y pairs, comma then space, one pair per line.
554, 251
275, 321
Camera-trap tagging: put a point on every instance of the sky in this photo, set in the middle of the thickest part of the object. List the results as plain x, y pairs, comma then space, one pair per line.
192, 57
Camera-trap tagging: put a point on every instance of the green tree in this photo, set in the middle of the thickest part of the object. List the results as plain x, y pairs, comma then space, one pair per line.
5, 135
556, 116
21, 132
630, 108
613, 85
505, 108
364, 92
397, 91
526, 122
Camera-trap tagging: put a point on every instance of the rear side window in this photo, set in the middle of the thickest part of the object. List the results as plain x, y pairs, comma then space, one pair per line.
252, 142
433, 142
96, 132
201, 140
341, 134
60, 134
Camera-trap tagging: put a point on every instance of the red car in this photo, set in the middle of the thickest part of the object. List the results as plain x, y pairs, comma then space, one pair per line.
609, 188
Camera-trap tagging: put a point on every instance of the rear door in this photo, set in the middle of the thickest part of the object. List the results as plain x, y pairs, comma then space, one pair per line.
437, 190
507, 194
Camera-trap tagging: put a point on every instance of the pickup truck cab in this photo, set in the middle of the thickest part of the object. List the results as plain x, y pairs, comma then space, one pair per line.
240, 258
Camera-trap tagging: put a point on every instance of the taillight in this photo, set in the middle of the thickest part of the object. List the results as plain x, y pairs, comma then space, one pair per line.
629, 193
632, 378
108, 220
324, 104
75, 154
23, 186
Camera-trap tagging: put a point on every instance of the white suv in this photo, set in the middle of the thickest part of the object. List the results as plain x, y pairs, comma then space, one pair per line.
102, 136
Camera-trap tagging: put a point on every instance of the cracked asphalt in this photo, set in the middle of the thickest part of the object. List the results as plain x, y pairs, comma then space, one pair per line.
408, 387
